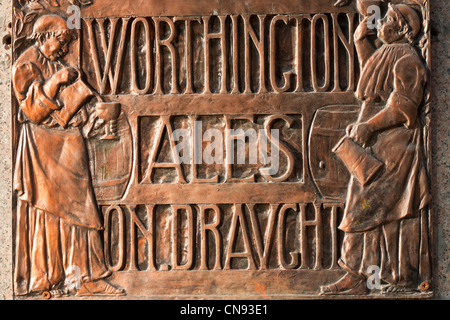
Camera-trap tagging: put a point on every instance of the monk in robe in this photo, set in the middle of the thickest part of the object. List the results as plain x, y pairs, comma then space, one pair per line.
57, 222
382, 220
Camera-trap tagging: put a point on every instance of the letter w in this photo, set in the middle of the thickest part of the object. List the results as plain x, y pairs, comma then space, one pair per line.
108, 50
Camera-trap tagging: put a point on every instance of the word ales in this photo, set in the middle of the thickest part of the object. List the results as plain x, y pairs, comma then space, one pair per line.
222, 237
216, 149
221, 54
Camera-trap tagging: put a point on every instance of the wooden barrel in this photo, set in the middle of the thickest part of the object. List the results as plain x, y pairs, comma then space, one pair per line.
111, 162
329, 174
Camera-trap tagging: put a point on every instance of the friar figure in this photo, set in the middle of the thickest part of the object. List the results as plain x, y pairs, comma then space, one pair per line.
57, 222
382, 222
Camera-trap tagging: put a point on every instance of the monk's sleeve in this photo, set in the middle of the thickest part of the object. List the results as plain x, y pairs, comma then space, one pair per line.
28, 87
409, 83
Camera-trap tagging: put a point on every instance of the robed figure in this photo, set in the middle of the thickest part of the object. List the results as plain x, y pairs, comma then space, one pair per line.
382, 221
58, 221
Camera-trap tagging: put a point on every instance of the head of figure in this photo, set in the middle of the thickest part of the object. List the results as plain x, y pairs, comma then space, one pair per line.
53, 36
401, 24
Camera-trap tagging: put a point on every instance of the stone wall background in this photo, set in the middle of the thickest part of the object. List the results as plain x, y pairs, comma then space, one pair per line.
440, 13
440, 70
5, 153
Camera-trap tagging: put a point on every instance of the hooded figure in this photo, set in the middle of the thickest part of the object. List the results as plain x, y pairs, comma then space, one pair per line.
382, 221
58, 222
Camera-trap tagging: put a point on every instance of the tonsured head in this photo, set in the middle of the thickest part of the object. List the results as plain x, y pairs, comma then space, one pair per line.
53, 36
400, 24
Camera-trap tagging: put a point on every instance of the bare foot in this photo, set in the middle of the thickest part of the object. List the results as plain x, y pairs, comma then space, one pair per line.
348, 284
99, 288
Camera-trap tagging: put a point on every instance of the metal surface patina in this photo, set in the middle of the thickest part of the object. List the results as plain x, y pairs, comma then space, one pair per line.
221, 149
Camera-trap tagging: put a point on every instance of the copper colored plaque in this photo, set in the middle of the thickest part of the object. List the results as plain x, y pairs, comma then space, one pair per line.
221, 149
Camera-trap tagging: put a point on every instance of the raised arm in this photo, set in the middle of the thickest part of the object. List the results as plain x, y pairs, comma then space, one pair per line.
364, 47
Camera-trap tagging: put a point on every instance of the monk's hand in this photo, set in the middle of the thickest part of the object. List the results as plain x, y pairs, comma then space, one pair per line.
363, 30
360, 133
113, 127
94, 126
67, 75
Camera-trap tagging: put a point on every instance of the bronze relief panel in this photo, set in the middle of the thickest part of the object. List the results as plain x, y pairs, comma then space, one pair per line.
208, 149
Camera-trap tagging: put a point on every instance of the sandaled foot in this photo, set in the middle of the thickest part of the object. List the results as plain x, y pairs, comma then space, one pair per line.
332, 289
386, 289
99, 288
347, 285
329, 290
